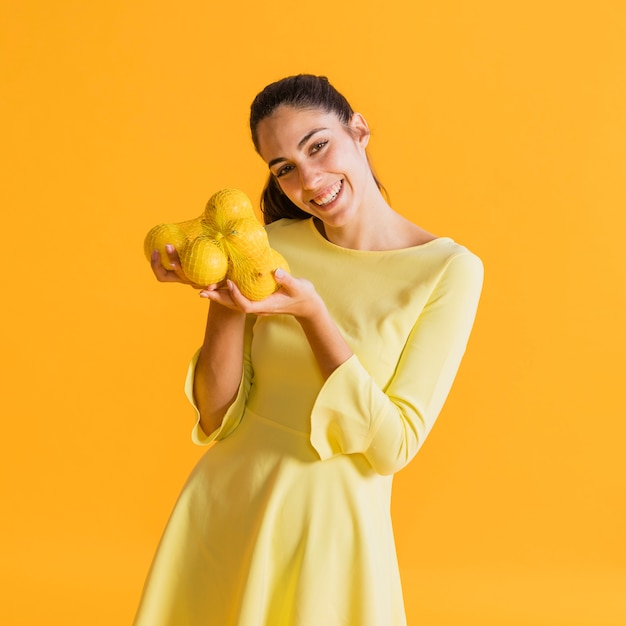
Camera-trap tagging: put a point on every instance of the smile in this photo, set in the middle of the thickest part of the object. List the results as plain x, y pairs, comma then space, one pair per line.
328, 195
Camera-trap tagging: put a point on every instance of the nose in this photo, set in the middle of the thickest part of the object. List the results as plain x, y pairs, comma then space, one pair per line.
309, 177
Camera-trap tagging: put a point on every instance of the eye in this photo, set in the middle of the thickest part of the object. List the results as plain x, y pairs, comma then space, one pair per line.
284, 170
316, 147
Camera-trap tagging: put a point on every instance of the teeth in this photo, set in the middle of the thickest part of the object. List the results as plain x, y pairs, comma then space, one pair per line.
327, 198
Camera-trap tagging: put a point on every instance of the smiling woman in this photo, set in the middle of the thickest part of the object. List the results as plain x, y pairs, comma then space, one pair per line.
301, 93
325, 172
315, 396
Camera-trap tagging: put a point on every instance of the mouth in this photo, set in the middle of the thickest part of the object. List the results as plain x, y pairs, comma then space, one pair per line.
328, 195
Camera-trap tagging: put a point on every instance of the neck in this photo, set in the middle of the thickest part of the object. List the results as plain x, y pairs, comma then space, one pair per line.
379, 229
375, 229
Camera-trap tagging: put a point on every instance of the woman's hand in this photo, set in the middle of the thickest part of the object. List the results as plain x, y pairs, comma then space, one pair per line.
175, 275
295, 296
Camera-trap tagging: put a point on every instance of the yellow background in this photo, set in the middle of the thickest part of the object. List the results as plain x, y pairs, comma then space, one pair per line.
501, 124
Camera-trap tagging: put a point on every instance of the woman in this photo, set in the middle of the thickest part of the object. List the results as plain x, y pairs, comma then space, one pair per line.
316, 395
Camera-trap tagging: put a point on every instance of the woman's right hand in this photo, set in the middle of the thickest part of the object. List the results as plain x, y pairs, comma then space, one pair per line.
174, 275
295, 296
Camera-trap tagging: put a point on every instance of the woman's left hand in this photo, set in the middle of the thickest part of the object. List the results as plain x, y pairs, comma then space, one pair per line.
295, 296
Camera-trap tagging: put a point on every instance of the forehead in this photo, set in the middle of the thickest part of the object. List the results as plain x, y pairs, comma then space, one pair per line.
282, 131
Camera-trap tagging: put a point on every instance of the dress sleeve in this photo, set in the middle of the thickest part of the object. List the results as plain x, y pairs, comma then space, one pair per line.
235, 412
352, 414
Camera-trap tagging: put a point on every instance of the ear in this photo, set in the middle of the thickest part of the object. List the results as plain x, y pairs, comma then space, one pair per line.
360, 130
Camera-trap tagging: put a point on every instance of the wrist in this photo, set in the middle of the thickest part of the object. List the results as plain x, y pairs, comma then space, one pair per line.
224, 312
312, 310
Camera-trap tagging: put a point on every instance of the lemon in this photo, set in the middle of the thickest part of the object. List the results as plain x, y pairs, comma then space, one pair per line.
255, 279
226, 241
202, 262
161, 235
245, 238
227, 206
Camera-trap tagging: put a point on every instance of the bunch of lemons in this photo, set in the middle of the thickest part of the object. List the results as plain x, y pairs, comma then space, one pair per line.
226, 241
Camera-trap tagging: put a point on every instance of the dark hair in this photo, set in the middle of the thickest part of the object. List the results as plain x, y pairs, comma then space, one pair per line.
304, 91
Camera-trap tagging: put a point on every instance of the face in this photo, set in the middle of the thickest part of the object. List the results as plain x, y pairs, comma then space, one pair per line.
319, 163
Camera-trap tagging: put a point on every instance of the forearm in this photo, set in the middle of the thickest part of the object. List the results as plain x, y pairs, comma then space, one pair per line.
220, 365
327, 343
389, 421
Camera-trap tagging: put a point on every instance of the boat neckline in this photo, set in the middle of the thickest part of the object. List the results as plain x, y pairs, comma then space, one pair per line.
420, 246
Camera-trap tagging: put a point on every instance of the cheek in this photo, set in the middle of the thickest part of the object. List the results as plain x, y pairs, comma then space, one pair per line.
291, 188
333, 159
344, 161
288, 184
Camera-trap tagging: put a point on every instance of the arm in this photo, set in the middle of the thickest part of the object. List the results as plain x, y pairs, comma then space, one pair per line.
219, 366
327, 343
220, 372
353, 414
296, 297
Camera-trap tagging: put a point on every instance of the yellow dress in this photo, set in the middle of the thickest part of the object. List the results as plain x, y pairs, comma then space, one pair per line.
285, 521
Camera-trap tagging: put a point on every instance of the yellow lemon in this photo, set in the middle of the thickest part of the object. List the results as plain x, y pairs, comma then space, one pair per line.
226, 206
161, 235
202, 262
227, 240
255, 279
245, 238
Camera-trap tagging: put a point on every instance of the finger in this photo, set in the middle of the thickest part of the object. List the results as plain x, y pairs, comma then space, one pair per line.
167, 276
215, 287
209, 290
238, 298
173, 257
155, 259
282, 277
177, 267
172, 254
163, 274
219, 296
266, 306
159, 271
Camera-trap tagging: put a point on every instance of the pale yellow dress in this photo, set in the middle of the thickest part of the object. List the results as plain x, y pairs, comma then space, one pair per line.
285, 521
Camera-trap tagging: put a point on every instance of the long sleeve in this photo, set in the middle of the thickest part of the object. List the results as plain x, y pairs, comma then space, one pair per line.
235, 411
352, 414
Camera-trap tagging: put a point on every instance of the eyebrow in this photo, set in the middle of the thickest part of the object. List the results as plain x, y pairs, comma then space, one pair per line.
300, 144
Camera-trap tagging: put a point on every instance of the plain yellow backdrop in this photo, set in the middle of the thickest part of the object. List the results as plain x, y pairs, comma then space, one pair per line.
500, 124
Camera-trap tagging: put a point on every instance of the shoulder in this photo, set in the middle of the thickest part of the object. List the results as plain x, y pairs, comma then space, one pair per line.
445, 264
461, 271
442, 252
451, 251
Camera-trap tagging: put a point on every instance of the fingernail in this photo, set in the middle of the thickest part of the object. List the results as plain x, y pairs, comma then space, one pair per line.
279, 273
169, 247
155, 255
204, 294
